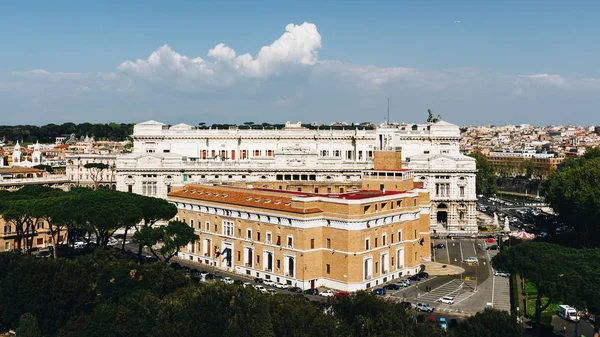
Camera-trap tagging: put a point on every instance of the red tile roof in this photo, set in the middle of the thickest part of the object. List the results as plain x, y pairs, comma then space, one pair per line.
243, 197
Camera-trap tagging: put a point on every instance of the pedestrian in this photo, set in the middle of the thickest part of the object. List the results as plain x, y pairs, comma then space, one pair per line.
564, 329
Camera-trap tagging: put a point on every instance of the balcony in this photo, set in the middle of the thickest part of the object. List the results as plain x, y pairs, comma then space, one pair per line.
368, 277
248, 265
288, 274
384, 271
270, 270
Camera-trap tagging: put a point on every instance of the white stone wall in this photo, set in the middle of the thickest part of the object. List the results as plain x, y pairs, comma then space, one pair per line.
167, 156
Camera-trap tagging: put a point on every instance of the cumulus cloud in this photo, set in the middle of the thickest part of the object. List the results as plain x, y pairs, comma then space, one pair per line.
298, 46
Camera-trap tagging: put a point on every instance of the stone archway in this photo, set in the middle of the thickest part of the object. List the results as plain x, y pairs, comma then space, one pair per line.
442, 214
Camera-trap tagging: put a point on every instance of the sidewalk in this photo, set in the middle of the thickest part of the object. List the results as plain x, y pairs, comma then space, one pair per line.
438, 269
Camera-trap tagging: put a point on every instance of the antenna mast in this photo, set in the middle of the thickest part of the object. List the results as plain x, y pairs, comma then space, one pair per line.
388, 115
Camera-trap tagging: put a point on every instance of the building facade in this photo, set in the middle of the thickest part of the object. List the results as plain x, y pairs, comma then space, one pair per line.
512, 163
432, 151
79, 175
295, 158
347, 241
9, 238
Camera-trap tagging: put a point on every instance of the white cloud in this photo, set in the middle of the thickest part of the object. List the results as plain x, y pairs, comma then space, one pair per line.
297, 46
222, 52
40, 73
551, 79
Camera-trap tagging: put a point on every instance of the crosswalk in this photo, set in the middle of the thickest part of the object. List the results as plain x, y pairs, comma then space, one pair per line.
456, 288
501, 299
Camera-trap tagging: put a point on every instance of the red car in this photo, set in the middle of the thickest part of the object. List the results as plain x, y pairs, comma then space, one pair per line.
341, 293
490, 240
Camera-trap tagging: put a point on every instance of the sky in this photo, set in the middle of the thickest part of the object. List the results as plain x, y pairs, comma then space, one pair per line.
472, 62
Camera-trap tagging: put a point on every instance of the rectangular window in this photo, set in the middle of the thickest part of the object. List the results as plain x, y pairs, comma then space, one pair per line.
239, 233
278, 240
249, 234
462, 191
207, 224
376, 266
392, 241
328, 269
290, 242
383, 237
130, 188
239, 255
415, 233
329, 243
40, 225
7, 246
227, 228
399, 236
269, 237
278, 264
312, 243
257, 236
376, 239
367, 244
257, 259
192, 223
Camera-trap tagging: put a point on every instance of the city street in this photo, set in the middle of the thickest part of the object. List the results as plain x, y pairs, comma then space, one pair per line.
473, 290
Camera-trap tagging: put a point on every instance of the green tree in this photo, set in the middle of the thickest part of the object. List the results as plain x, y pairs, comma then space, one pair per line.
104, 211
485, 179
294, 316
526, 168
573, 191
174, 236
363, 314
548, 266
96, 170
489, 323
153, 210
28, 326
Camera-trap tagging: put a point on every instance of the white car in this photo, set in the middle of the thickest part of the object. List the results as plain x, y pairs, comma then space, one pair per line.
281, 285
268, 283
501, 273
446, 300
247, 284
327, 293
260, 288
79, 244
403, 283
227, 280
471, 260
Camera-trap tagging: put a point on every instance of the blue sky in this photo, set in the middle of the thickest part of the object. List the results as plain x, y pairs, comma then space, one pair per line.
473, 62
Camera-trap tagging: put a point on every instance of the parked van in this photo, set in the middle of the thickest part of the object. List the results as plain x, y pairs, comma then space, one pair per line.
568, 313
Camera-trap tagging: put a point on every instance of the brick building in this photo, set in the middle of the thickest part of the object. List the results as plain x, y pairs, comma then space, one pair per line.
352, 240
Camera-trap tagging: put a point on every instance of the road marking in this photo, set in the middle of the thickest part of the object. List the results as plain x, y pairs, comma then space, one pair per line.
464, 298
447, 252
461, 254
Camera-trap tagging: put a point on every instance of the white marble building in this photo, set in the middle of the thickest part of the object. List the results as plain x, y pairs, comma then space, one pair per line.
432, 151
163, 156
